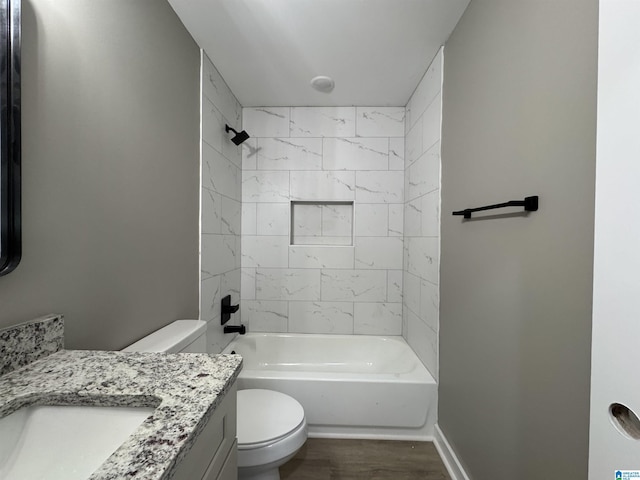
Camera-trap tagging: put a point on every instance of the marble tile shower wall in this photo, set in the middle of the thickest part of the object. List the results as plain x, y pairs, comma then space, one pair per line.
221, 207
320, 154
421, 273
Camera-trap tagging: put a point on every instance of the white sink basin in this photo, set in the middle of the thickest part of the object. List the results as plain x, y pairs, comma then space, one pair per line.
63, 443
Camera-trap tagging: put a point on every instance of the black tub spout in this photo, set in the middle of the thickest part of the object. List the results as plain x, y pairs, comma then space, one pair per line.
241, 329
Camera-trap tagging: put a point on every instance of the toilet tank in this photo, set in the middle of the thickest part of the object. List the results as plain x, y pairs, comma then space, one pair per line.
187, 336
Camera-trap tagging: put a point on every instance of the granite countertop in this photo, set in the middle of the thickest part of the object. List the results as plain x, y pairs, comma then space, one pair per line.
184, 388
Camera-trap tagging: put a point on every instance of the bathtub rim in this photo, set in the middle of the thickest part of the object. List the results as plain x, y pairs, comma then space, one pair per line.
420, 373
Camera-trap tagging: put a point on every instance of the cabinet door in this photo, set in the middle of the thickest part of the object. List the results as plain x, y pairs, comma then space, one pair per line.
212, 446
229, 470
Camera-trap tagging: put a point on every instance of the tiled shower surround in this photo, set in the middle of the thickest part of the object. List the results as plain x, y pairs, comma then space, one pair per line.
221, 177
366, 234
421, 303
345, 276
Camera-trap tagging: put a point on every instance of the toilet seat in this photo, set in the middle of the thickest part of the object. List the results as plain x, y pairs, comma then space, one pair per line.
267, 417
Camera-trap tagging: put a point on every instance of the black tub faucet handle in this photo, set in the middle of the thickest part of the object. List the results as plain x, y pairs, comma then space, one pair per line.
227, 309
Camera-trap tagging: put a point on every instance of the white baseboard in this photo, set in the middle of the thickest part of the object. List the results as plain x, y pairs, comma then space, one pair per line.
424, 434
449, 458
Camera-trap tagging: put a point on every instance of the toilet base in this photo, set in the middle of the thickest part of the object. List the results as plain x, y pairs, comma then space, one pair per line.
270, 471
252, 474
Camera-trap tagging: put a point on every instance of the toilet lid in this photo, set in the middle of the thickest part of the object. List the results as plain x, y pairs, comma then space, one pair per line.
265, 415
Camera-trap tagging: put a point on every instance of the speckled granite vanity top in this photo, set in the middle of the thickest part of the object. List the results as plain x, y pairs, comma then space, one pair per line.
184, 388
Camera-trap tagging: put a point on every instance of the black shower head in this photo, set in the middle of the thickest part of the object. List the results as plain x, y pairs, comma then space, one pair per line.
239, 136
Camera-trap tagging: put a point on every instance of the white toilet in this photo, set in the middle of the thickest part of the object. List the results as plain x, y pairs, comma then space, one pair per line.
271, 429
271, 426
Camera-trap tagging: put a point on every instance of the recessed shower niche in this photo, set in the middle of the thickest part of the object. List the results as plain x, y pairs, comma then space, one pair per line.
321, 223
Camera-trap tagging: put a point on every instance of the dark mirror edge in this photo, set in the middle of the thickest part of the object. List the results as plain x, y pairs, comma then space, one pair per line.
11, 147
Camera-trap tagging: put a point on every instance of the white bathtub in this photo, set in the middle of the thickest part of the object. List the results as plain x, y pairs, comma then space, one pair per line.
353, 386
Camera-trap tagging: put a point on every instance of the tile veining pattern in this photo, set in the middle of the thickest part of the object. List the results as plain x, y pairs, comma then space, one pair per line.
185, 388
27, 342
221, 177
345, 154
421, 273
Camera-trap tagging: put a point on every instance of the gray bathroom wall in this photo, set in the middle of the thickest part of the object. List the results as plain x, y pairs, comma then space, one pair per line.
110, 170
519, 118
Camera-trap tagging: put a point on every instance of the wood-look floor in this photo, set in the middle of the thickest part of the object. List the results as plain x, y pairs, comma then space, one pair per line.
331, 459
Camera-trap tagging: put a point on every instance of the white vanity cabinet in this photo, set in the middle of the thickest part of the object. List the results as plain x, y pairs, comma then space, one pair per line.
214, 455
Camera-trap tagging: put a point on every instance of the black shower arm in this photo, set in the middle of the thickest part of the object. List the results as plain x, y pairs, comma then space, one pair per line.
227, 128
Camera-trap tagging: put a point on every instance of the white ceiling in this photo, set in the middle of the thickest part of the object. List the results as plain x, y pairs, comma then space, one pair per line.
268, 50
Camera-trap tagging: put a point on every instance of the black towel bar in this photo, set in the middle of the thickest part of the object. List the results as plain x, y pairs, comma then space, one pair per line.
530, 204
